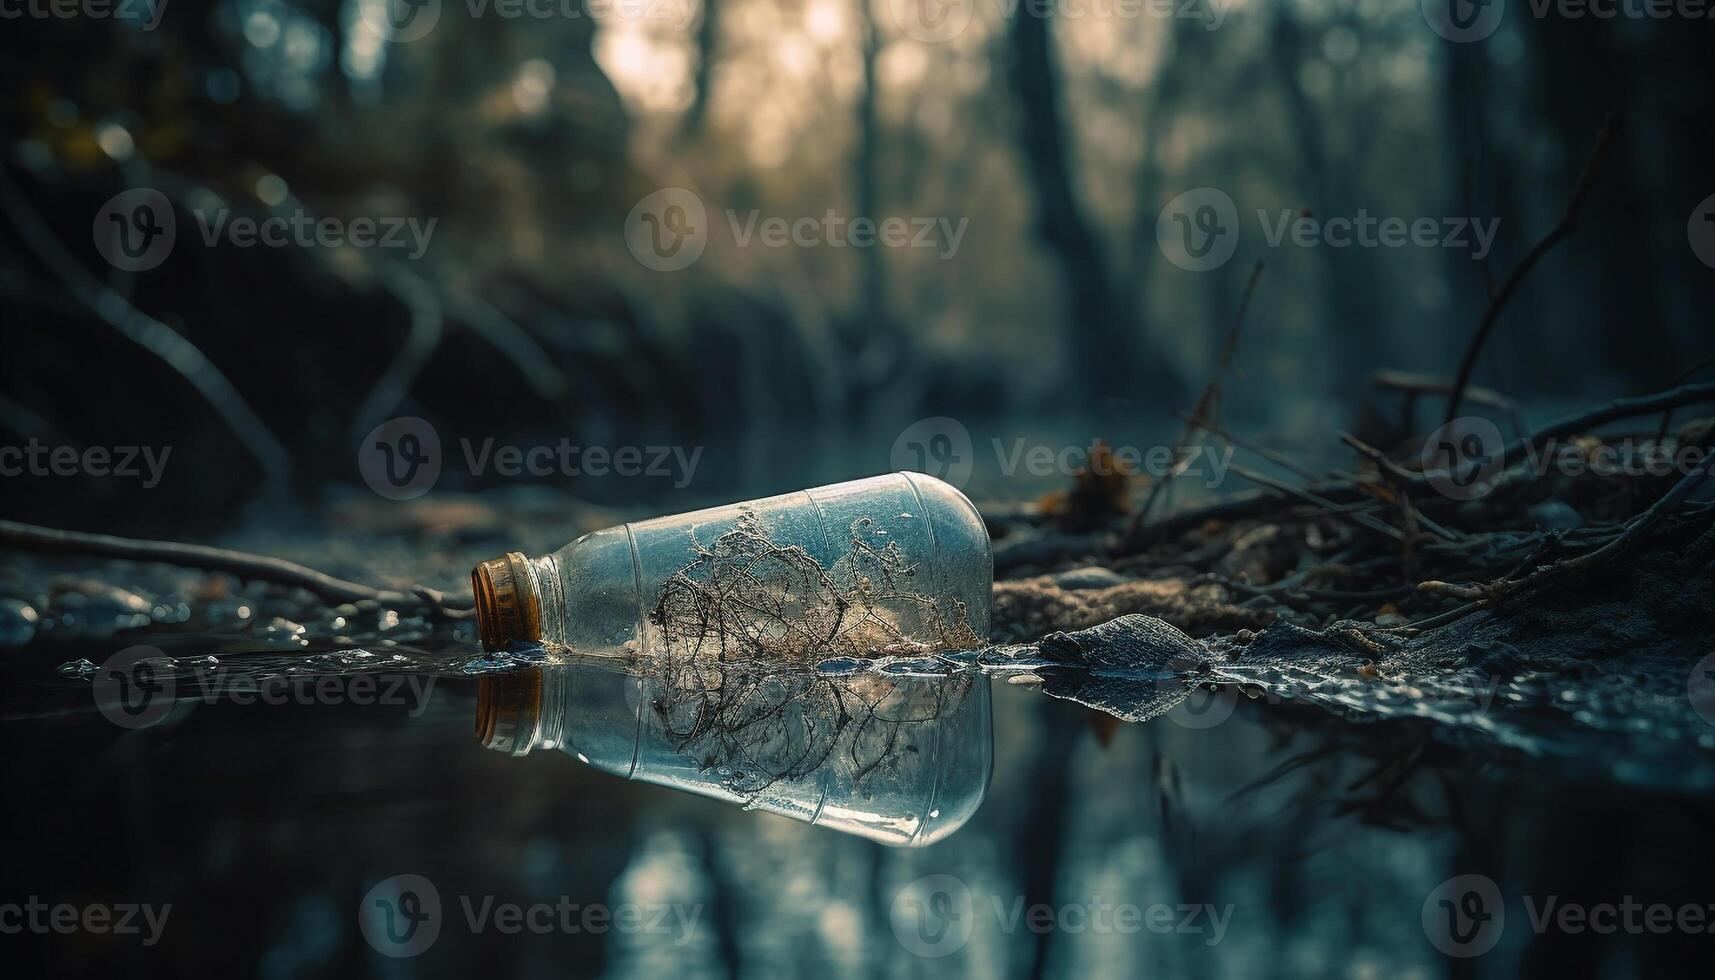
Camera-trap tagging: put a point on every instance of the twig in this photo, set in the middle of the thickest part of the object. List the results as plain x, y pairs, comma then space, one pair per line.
1207, 402
146, 332
47, 540
505, 335
1279, 459
424, 307
1487, 592
1383, 463
1412, 385
1568, 223
1680, 378
1331, 507
1619, 408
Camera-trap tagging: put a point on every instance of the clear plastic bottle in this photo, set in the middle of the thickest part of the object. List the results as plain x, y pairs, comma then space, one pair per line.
900, 759
894, 563
692, 645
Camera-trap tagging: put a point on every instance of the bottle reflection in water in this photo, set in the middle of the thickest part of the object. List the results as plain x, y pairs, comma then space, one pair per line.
900, 759
891, 564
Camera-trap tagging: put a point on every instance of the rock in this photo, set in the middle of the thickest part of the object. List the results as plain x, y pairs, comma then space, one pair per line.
1091, 577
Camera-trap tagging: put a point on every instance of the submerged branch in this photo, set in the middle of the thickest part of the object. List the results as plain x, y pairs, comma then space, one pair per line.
46, 540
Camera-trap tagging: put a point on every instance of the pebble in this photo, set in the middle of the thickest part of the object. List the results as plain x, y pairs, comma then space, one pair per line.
1093, 577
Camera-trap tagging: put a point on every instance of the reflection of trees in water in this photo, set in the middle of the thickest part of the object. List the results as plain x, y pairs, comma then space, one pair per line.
746, 597
757, 726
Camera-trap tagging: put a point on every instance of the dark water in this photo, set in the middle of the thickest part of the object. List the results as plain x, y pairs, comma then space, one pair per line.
1299, 835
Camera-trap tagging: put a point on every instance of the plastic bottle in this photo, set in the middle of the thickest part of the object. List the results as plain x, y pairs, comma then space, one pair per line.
900, 759
894, 563
692, 645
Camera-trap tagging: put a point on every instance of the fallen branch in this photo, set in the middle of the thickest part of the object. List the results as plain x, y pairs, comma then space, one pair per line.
179, 354
47, 540
1567, 224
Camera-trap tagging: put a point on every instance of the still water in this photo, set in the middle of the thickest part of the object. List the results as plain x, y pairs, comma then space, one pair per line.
309, 791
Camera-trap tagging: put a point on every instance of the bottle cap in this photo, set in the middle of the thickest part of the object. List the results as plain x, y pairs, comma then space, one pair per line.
507, 607
508, 709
